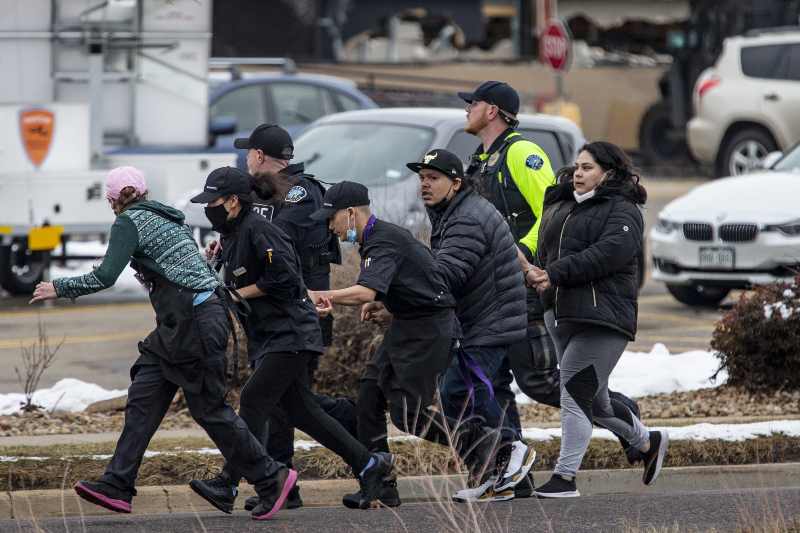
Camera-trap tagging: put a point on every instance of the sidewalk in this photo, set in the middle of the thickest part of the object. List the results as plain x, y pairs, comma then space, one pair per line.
21, 505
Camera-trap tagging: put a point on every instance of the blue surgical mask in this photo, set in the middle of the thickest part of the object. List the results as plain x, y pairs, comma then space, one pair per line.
352, 235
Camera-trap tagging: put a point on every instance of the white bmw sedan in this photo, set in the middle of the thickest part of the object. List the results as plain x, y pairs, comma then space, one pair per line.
731, 233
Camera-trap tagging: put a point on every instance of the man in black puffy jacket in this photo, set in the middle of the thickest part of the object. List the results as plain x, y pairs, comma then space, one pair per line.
476, 256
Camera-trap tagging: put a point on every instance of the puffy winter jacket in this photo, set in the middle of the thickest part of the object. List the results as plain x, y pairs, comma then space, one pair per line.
477, 257
590, 252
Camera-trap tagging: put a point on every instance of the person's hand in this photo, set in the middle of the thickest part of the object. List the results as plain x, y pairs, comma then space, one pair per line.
322, 303
324, 307
45, 290
212, 250
537, 278
382, 317
369, 309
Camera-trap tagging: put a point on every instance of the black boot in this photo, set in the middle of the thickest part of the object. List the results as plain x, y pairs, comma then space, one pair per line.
372, 479
294, 501
105, 495
389, 497
218, 491
273, 493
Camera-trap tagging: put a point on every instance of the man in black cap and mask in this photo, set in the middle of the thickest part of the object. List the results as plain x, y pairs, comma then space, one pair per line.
283, 334
287, 196
399, 271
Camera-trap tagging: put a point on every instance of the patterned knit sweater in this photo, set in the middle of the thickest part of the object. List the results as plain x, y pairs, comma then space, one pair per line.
154, 235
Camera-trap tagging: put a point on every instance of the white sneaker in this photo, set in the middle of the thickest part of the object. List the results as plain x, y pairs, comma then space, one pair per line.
519, 464
484, 492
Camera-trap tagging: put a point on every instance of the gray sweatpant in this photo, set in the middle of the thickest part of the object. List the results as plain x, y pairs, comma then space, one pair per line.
586, 356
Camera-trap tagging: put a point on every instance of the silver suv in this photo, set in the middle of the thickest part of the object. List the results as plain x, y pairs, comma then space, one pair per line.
748, 104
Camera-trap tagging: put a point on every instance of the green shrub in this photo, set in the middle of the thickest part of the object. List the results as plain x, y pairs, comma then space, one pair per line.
758, 340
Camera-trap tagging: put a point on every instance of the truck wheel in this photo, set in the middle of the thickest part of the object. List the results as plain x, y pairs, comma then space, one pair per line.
20, 268
658, 140
698, 295
743, 152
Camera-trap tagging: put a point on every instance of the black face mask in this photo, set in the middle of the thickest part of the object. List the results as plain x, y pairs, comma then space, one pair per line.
218, 216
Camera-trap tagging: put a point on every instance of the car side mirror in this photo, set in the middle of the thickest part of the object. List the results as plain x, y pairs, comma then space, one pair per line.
769, 161
222, 125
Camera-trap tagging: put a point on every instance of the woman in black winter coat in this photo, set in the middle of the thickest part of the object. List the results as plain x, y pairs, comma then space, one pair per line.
590, 237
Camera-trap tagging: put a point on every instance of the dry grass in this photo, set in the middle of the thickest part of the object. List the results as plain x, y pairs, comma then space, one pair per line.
414, 458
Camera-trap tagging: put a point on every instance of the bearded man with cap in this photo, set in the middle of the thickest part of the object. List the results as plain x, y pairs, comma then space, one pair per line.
283, 334
399, 273
476, 255
186, 350
513, 173
287, 196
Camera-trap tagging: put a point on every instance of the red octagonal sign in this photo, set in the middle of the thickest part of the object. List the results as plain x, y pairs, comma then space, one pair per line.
555, 47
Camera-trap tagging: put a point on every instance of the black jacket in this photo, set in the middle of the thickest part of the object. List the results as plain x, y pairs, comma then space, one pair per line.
284, 320
590, 252
477, 257
315, 244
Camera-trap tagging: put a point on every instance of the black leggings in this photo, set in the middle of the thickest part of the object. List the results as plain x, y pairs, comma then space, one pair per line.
281, 380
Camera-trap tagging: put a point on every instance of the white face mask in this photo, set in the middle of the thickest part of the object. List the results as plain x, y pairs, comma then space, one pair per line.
583, 197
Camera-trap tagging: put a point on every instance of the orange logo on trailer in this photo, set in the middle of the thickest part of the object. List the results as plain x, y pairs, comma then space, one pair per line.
36, 128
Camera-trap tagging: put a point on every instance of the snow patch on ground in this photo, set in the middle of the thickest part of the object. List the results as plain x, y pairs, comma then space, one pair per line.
696, 432
657, 372
69, 394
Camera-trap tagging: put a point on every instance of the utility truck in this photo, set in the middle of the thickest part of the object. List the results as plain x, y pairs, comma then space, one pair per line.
89, 85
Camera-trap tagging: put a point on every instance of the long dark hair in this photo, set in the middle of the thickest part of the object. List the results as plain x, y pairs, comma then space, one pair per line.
271, 187
622, 174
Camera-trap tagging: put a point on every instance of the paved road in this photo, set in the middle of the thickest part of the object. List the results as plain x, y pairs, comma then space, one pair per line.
686, 511
101, 331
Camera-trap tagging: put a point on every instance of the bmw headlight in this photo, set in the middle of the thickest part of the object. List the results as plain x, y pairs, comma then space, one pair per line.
667, 226
790, 229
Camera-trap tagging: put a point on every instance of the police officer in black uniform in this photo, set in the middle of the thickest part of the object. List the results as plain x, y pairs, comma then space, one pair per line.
287, 196
283, 333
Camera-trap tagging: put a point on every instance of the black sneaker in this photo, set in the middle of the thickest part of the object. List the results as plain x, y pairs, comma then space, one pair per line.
389, 497
654, 457
104, 495
294, 501
558, 487
525, 487
217, 491
372, 479
273, 494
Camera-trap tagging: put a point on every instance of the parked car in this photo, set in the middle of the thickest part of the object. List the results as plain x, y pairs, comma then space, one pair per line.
748, 104
373, 146
732, 233
290, 99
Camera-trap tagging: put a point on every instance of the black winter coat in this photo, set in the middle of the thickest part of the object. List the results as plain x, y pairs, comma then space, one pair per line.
477, 257
590, 252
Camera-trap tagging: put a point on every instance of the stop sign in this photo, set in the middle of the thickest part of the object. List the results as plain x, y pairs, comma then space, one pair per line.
555, 46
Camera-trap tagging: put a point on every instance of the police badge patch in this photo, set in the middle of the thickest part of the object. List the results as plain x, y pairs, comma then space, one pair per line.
534, 161
296, 194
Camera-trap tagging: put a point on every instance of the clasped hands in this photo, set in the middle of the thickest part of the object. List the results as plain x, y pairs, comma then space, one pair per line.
537, 278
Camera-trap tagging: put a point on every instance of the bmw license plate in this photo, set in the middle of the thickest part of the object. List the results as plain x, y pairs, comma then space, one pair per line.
722, 258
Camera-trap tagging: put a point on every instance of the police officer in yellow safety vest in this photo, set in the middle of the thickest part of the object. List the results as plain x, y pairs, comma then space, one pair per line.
513, 173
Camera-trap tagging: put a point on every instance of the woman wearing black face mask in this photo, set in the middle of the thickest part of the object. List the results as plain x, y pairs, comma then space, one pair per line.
283, 333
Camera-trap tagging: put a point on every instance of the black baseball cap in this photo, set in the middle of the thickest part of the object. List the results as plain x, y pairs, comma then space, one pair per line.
224, 181
341, 196
445, 162
496, 93
270, 139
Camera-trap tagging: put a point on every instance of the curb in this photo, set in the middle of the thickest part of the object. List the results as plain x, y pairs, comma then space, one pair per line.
20, 505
